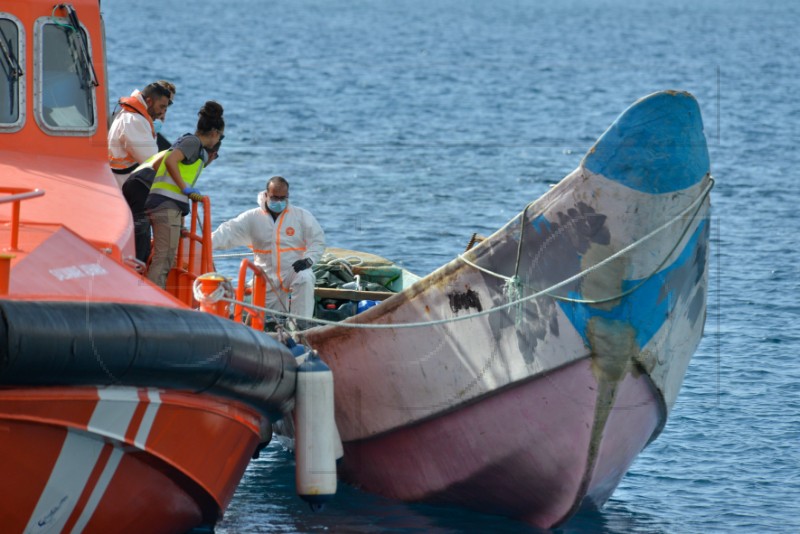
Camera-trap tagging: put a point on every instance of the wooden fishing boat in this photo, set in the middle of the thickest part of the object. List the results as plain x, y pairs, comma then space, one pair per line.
122, 409
524, 377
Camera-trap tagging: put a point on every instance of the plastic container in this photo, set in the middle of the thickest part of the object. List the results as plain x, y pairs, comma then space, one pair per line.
335, 310
365, 305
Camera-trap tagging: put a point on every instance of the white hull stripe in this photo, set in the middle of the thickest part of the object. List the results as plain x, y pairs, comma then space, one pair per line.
113, 413
149, 416
67, 479
99, 490
79, 454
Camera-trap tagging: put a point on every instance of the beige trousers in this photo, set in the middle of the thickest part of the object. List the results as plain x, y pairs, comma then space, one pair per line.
166, 223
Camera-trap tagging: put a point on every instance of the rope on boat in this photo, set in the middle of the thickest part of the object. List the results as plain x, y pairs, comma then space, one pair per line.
233, 255
348, 262
137, 265
223, 289
55, 20
695, 205
658, 267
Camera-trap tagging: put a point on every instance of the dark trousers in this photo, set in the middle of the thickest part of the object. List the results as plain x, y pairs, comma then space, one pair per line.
135, 193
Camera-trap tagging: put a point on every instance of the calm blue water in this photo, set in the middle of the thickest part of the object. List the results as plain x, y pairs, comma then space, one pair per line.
407, 125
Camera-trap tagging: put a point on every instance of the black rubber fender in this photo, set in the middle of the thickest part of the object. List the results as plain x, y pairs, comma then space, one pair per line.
50, 343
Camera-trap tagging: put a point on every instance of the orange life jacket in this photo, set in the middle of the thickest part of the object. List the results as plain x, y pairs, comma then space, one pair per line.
125, 164
132, 104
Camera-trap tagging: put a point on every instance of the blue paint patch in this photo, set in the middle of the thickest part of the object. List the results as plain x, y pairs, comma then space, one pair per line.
541, 224
647, 308
656, 146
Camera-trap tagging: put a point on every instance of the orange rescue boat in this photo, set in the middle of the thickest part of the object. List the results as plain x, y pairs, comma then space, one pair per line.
122, 408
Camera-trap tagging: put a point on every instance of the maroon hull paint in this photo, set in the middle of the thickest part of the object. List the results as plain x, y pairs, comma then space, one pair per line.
636, 420
534, 470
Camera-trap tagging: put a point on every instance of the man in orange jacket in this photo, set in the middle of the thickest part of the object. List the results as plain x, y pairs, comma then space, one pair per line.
132, 136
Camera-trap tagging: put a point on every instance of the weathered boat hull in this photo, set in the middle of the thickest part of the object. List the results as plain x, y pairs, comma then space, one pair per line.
539, 406
523, 452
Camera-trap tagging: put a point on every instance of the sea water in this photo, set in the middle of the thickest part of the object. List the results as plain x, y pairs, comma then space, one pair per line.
407, 125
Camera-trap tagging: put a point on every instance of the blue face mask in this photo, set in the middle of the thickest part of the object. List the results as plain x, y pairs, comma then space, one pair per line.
276, 206
157, 125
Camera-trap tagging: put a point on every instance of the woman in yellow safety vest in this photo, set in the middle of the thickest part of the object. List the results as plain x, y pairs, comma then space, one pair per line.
174, 185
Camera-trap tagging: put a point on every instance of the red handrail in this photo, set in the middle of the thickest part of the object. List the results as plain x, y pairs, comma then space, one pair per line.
183, 275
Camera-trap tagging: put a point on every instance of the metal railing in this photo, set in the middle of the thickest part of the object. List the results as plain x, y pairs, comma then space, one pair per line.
15, 195
191, 262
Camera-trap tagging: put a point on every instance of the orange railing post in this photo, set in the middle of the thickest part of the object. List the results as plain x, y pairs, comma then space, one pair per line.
259, 299
240, 288
15, 225
5, 273
17, 195
187, 265
186, 272
207, 263
257, 319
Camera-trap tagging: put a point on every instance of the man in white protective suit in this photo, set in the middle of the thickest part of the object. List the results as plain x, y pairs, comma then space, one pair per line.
286, 241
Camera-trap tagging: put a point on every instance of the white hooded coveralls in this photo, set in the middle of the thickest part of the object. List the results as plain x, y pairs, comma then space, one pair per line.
276, 245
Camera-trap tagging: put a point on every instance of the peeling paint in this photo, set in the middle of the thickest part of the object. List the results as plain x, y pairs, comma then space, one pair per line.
464, 301
655, 297
613, 345
613, 350
601, 283
648, 360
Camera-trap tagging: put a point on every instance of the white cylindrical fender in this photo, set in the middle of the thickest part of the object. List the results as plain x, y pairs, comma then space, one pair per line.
338, 448
315, 432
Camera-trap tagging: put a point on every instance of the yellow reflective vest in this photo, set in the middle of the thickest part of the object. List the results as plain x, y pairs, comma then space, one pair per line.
164, 185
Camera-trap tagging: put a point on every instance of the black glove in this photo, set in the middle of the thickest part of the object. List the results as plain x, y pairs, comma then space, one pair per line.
301, 265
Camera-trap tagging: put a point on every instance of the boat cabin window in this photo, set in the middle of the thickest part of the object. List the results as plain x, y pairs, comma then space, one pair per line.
65, 82
12, 79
